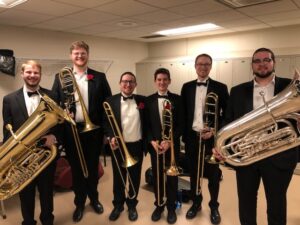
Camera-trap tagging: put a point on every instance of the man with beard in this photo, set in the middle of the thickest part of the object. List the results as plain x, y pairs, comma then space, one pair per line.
17, 108
276, 171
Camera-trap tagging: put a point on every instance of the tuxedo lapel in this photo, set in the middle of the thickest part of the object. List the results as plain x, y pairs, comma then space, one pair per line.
21, 103
249, 95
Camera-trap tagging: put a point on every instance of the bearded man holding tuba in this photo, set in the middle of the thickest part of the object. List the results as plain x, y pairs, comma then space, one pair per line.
275, 171
17, 108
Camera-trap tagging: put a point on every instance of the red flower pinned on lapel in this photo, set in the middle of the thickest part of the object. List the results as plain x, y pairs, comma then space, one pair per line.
89, 77
141, 105
168, 106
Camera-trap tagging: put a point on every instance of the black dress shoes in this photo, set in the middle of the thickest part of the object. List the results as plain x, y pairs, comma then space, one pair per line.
97, 206
132, 214
215, 216
78, 214
115, 213
192, 212
157, 213
171, 217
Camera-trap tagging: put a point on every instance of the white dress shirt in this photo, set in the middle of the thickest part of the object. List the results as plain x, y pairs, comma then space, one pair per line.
31, 102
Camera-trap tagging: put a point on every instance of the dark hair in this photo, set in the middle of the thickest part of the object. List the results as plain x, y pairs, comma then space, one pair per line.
163, 71
203, 55
79, 44
265, 50
127, 73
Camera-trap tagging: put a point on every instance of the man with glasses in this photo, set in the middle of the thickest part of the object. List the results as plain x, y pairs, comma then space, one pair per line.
128, 109
197, 131
276, 171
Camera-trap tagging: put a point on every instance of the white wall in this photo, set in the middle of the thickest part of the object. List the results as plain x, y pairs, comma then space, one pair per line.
231, 54
47, 46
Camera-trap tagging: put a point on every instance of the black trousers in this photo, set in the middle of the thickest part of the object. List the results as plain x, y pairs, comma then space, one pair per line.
211, 171
275, 181
44, 183
133, 172
91, 143
169, 183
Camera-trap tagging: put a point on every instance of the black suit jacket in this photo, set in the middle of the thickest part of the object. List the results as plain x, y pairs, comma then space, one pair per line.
188, 93
241, 102
15, 112
98, 91
154, 127
115, 103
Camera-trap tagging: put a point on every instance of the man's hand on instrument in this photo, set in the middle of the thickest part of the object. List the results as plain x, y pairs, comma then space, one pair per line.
49, 140
218, 154
156, 146
206, 133
165, 145
113, 143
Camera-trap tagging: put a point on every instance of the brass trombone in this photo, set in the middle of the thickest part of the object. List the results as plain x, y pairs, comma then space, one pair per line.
210, 121
70, 87
128, 160
167, 135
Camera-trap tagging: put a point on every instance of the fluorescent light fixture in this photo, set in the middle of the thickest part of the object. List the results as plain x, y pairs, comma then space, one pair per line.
10, 3
190, 29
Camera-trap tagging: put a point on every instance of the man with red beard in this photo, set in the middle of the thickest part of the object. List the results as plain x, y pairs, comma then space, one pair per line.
17, 108
94, 89
276, 171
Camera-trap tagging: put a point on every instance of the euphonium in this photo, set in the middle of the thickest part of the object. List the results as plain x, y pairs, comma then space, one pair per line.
263, 132
21, 158
128, 160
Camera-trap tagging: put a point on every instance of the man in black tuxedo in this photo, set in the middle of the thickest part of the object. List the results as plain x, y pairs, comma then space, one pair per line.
193, 95
128, 109
94, 89
159, 147
17, 107
276, 171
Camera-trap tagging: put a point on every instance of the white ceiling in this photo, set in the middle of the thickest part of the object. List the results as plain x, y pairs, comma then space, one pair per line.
134, 19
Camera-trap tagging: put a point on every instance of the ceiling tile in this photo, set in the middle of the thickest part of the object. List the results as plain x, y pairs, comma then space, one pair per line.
126, 8
92, 16
60, 24
85, 4
158, 16
166, 3
48, 7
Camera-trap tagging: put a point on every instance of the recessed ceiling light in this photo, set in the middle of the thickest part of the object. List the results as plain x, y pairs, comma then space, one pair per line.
10, 3
190, 29
127, 24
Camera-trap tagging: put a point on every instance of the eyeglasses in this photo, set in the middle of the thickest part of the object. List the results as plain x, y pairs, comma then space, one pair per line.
130, 82
203, 64
265, 60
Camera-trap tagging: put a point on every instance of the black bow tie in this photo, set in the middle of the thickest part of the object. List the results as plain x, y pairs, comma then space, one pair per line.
32, 93
202, 83
125, 98
162, 96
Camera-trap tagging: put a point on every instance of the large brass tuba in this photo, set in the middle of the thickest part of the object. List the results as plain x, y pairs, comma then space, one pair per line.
263, 132
128, 160
21, 158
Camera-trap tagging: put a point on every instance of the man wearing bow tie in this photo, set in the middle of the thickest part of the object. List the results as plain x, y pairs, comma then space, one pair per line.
197, 132
128, 109
17, 108
94, 89
165, 189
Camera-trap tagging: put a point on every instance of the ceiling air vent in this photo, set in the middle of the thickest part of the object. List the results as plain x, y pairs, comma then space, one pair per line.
153, 36
244, 3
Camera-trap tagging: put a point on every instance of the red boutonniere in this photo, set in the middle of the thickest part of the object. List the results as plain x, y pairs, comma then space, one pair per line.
168, 106
89, 77
141, 105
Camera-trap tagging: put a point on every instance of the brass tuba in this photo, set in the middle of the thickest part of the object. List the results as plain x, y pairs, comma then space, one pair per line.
21, 158
128, 160
263, 132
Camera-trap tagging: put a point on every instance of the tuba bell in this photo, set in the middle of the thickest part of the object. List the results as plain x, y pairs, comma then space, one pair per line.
21, 157
263, 132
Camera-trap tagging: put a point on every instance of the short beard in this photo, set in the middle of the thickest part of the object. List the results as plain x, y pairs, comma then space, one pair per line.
264, 75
